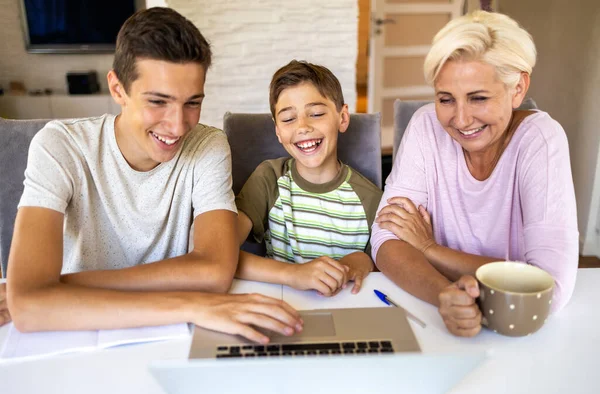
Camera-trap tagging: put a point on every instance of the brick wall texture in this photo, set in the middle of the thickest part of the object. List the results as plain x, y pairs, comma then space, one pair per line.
252, 39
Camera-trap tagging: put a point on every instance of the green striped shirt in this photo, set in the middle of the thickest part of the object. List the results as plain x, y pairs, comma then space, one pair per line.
300, 221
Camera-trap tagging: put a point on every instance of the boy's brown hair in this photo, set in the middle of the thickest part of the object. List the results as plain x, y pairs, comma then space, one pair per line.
296, 72
158, 33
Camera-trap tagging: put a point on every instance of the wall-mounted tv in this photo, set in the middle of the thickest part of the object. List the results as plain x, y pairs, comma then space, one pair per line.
74, 26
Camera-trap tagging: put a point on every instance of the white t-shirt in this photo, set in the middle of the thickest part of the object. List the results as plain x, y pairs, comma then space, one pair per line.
115, 216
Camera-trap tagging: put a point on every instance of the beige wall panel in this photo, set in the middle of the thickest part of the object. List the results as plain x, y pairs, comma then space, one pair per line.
403, 71
417, 29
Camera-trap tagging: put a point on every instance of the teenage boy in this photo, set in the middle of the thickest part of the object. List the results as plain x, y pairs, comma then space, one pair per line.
313, 212
102, 233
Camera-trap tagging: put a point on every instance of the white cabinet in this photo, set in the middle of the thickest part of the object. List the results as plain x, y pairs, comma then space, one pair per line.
57, 106
25, 107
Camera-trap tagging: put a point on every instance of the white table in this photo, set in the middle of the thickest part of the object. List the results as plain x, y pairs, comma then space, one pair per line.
560, 358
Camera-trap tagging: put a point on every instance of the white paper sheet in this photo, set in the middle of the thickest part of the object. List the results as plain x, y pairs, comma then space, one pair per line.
20, 346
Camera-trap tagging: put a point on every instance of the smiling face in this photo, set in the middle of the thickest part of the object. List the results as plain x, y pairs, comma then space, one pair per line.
474, 106
162, 106
307, 125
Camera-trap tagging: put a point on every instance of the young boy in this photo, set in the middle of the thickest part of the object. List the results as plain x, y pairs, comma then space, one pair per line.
313, 212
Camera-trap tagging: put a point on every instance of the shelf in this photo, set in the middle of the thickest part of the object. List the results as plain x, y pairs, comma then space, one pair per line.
57, 106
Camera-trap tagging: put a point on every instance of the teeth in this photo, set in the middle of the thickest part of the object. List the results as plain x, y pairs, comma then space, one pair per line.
166, 140
469, 132
308, 144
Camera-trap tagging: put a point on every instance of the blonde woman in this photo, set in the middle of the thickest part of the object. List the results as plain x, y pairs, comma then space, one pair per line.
475, 180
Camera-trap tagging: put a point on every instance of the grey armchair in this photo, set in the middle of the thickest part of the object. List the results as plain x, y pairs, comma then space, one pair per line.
252, 139
16, 136
404, 110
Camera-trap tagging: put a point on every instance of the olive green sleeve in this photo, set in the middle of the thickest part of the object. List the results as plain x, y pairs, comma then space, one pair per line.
259, 194
370, 196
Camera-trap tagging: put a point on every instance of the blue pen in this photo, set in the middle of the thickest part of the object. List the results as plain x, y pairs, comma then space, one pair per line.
386, 300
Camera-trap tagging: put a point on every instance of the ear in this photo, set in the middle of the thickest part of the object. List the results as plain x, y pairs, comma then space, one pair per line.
520, 91
117, 91
344, 119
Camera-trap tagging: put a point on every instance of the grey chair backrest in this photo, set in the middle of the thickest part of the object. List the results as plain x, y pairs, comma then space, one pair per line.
252, 139
404, 110
16, 136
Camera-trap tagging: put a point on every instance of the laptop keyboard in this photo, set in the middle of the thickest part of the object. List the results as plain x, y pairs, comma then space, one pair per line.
305, 349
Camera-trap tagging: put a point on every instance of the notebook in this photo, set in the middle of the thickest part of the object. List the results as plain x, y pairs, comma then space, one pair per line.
21, 346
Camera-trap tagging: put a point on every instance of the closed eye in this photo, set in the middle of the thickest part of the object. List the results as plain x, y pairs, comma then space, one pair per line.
157, 102
479, 98
194, 104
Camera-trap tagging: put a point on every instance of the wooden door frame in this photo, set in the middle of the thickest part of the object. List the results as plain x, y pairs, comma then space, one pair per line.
376, 93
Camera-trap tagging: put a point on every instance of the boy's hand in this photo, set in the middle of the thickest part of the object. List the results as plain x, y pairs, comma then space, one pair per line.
359, 265
323, 274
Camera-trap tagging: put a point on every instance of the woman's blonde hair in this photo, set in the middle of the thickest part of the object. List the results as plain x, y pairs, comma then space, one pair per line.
491, 38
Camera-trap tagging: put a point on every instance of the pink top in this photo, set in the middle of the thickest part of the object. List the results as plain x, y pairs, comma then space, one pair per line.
524, 211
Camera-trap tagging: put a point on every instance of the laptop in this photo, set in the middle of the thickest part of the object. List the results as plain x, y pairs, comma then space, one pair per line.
352, 331
410, 373
355, 350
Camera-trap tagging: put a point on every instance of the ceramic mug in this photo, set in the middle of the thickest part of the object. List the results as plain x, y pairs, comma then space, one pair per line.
515, 298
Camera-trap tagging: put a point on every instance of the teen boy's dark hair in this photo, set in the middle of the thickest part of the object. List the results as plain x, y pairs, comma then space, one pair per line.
296, 72
158, 33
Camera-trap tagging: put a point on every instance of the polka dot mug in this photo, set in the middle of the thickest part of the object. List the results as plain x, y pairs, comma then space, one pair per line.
515, 298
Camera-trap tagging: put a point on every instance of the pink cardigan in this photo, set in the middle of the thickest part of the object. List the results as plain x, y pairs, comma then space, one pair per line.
525, 211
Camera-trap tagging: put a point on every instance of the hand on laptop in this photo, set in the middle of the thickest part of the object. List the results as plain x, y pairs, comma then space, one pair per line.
237, 313
4, 315
459, 309
323, 274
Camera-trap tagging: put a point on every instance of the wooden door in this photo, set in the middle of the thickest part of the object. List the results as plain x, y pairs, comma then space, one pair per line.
401, 35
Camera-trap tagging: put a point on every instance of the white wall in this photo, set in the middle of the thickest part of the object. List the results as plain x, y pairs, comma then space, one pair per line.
39, 71
252, 39
156, 3
566, 83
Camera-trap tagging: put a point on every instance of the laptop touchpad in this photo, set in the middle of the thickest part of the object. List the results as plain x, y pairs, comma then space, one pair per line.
316, 324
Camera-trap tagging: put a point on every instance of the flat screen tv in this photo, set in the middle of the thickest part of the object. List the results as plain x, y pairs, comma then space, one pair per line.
74, 26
